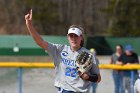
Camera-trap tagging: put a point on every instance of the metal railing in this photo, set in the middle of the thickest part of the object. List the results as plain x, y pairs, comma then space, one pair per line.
21, 65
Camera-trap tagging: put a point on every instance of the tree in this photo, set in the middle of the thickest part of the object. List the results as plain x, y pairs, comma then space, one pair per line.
124, 17
45, 15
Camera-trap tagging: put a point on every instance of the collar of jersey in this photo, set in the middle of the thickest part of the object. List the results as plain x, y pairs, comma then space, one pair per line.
76, 50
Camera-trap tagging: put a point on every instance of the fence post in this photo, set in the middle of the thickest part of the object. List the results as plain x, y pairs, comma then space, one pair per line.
132, 81
19, 80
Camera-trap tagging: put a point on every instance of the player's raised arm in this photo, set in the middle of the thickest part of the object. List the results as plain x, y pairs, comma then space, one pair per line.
38, 39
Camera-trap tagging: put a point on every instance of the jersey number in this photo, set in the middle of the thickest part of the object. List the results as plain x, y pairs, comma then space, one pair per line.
71, 72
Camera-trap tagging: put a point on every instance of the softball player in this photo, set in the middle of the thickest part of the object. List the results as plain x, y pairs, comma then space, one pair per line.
67, 80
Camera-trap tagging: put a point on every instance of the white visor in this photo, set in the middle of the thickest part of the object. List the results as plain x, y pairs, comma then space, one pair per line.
76, 31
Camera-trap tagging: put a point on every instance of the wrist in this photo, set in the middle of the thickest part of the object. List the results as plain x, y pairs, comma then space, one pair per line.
84, 76
93, 78
28, 22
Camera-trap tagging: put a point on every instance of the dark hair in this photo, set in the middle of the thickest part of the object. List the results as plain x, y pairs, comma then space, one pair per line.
79, 27
120, 46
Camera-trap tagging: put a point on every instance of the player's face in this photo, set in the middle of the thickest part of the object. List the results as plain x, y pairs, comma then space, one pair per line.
74, 40
118, 49
128, 53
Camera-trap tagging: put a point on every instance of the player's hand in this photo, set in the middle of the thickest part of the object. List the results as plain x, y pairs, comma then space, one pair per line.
85, 76
28, 17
